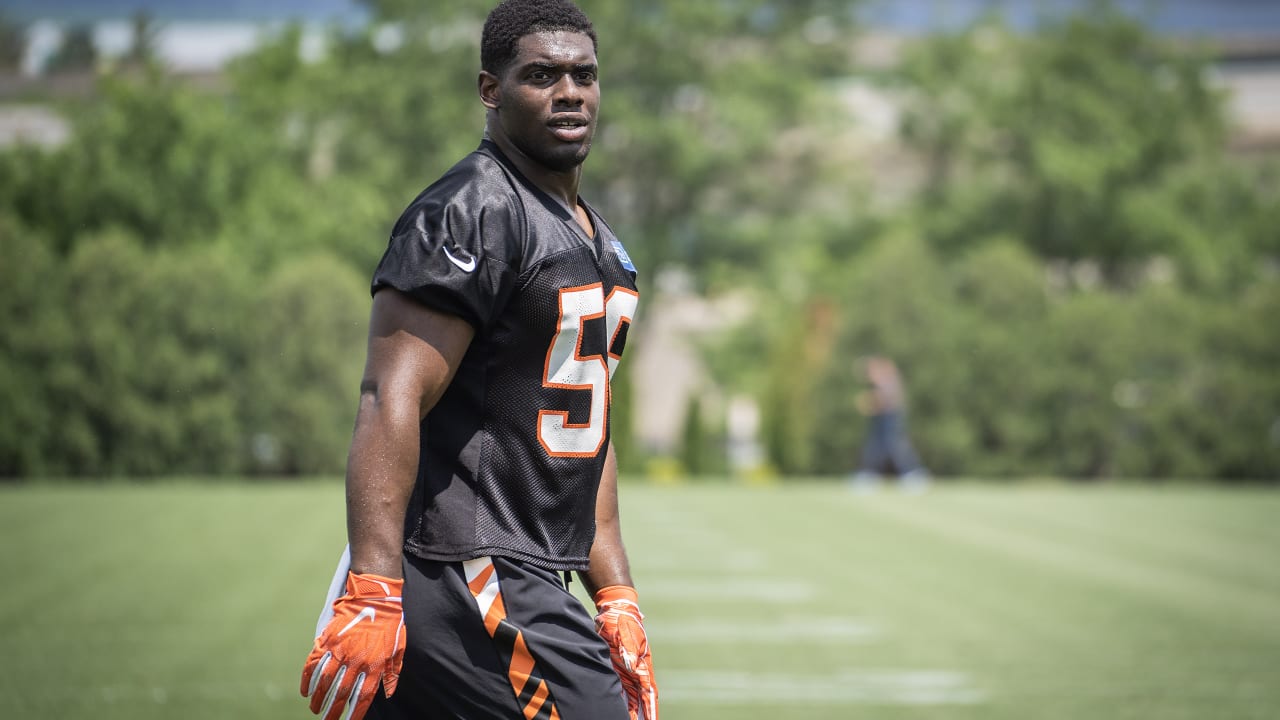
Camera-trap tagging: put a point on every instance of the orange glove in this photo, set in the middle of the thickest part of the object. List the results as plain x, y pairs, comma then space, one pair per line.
621, 624
362, 644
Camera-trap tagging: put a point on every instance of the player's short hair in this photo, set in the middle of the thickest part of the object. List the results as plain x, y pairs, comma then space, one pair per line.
513, 19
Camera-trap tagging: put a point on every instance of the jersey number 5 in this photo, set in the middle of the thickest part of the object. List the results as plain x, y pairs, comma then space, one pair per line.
568, 368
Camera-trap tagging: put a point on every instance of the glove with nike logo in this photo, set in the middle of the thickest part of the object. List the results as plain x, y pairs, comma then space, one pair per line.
621, 624
362, 645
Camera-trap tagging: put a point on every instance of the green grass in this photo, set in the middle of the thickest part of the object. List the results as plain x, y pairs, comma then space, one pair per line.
972, 601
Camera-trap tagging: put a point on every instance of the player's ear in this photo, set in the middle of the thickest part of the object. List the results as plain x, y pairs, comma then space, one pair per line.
490, 90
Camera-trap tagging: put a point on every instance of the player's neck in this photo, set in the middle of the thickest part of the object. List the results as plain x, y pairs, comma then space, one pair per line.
562, 186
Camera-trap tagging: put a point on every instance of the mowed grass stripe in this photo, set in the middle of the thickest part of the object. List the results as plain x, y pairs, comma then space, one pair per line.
198, 600
144, 594
1212, 525
1032, 628
942, 603
1068, 630
1137, 560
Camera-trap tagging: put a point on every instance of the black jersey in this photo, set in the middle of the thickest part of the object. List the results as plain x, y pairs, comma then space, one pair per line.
513, 451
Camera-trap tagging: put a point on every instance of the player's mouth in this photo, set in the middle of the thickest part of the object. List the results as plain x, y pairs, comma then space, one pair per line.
570, 127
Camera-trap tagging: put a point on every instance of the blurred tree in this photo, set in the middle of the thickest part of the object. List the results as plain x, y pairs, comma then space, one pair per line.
167, 162
895, 302
142, 40
622, 421
301, 382
179, 260
36, 336
77, 53
152, 365
1087, 139
13, 44
710, 111
702, 441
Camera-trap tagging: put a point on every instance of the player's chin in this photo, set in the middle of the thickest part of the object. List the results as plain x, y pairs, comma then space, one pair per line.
566, 157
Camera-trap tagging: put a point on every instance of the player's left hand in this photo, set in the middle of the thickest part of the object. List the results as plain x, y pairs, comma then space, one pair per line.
362, 646
621, 624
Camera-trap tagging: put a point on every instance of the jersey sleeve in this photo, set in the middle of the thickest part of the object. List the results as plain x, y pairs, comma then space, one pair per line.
455, 252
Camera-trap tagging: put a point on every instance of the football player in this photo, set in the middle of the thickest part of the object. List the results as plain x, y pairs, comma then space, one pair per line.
480, 472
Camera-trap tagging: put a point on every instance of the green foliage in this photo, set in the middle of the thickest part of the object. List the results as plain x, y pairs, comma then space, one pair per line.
188, 286
702, 441
13, 44
707, 110
1009, 375
302, 380
78, 53
142, 50
151, 155
1088, 138
622, 422
1065, 292
152, 362
794, 366
126, 361
35, 335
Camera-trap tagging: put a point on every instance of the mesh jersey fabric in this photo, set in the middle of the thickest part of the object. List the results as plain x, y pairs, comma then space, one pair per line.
512, 453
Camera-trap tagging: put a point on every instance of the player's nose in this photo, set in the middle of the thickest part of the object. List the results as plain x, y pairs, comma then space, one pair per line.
567, 91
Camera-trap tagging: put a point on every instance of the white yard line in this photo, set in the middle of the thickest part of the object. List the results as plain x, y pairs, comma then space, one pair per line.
732, 589
162, 694
707, 687
889, 687
786, 631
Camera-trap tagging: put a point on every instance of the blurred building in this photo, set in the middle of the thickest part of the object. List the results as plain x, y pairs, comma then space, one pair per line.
191, 38
1248, 67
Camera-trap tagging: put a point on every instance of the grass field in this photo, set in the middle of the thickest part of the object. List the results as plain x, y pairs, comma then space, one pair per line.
193, 601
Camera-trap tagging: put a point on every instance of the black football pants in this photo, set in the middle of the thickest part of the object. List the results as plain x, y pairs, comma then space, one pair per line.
498, 639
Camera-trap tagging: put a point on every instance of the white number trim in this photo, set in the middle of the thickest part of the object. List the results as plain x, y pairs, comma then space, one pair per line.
567, 368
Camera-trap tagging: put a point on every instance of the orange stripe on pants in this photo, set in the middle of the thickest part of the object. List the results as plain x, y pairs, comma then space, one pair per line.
482, 581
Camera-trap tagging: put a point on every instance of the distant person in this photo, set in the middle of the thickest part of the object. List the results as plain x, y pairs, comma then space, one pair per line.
481, 472
886, 449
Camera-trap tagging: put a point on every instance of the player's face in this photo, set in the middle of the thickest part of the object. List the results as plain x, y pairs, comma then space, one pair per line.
549, 99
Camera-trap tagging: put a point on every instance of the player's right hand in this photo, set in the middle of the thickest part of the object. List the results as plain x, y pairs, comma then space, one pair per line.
362, 645
621, 624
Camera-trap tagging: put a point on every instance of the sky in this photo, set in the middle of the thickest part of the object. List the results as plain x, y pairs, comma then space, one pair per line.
200, 35
1177, 16
1173, 16
219, 10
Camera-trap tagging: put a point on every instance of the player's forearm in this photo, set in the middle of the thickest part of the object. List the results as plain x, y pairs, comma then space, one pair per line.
608, 561
381, 470
608, 558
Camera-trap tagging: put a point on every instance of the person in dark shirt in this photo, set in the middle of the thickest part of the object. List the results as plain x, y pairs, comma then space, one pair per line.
480, 472
887, 448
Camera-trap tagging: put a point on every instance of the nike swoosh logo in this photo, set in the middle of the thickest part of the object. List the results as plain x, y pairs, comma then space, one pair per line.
368, 612
466, 267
